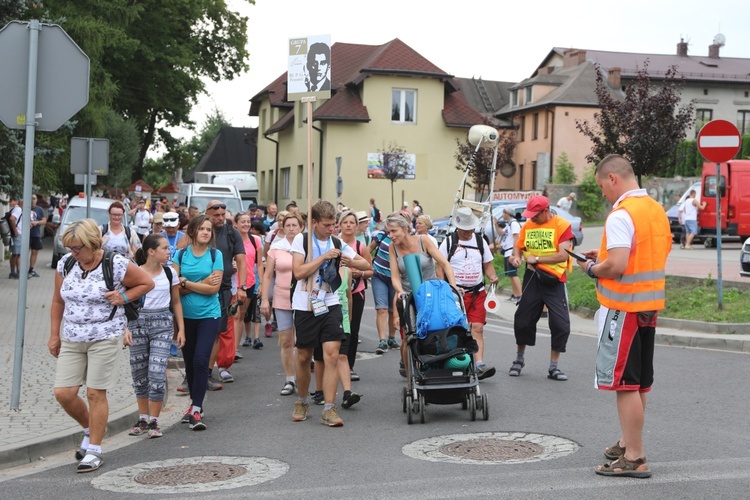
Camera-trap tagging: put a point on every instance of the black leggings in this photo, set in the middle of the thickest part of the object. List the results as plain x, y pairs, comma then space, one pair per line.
358, 307
200, 335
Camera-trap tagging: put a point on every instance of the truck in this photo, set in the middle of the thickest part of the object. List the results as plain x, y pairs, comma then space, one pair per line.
199, 195
734, 189
246, 182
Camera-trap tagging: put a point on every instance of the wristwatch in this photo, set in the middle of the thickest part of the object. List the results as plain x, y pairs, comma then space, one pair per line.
244, 288
182, 283
590, 271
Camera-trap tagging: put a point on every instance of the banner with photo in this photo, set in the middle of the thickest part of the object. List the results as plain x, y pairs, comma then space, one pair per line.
309, 67
402, 166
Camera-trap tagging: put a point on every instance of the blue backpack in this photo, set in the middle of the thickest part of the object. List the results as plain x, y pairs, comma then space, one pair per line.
438, 308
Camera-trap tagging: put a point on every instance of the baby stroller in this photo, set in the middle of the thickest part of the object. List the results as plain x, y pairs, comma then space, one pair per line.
440, 362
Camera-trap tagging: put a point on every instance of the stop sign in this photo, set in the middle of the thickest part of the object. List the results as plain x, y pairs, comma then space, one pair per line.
62, 76
719, 141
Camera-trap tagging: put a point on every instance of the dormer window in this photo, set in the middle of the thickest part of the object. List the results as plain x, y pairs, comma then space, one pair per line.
514, 98
528, 96
403, 106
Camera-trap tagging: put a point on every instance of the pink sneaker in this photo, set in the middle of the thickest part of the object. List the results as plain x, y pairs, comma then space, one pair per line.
268, 330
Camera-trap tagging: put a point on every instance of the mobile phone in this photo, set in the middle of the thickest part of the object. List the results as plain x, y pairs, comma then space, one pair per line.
577, 256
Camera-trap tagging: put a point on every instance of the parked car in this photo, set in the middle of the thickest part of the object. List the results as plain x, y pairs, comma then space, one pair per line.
518, 206
674, 222
76, 210
745, 259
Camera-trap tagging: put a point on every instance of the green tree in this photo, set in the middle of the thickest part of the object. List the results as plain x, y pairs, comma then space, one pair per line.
480, 162
590, 201
564, 170
645, 125
124, 144
392, 162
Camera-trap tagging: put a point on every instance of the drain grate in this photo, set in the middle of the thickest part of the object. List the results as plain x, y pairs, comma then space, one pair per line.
207, 472
494, 450
489, 448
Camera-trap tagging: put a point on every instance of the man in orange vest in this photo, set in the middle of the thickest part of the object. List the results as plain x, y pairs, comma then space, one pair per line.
630, 271
542, 243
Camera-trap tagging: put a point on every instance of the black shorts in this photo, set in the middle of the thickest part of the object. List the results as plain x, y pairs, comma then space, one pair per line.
343, 349
510, 269
35, 243
313, 330
252, 313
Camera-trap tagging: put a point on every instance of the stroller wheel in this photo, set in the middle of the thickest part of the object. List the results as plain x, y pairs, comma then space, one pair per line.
465, 402
421, 408
473, 406
404, 392
409, 412
485, 407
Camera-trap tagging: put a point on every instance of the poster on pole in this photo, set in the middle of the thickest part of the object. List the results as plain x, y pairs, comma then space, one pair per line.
309, 67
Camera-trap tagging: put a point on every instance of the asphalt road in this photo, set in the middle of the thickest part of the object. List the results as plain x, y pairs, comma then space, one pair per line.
697, 437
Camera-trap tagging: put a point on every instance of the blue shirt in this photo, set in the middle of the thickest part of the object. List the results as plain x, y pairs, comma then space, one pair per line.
196, 305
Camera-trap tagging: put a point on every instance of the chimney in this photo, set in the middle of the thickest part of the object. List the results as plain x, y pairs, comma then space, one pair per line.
573, 57
614, 77
682, 48
713, 51
545, 70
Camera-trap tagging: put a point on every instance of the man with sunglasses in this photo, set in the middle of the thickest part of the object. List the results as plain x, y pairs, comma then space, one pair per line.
229, 241
542, 243
172, 233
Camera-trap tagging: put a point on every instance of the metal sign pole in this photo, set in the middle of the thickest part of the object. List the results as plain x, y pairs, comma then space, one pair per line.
718, 235
309, 111
28, 171
89, 163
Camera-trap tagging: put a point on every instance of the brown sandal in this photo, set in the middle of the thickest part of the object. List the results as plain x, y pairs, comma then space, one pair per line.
615, 451
625, 468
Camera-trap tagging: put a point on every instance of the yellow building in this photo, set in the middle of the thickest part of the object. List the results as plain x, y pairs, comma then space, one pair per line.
382, 95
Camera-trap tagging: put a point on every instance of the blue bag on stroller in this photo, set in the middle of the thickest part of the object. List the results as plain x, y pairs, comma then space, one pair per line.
438, 308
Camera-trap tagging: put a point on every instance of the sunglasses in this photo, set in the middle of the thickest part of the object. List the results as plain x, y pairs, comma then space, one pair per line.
170, 219
217, 206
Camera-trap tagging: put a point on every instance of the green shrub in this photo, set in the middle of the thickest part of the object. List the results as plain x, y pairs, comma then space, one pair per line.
590, 201
564, 170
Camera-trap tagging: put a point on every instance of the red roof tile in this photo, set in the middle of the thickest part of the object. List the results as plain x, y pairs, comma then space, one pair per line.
458, 113
344, 105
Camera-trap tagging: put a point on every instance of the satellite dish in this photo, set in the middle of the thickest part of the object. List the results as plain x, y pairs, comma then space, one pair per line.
720, 40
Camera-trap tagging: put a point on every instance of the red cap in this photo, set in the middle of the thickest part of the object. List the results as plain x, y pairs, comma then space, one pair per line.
535, 205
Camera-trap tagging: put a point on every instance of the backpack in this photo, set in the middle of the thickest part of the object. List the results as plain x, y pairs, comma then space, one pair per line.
12, 230
132, 308
168, 272
336, 245
376, 216
5, 232
105, 229
454, 244
438, 308
181, 251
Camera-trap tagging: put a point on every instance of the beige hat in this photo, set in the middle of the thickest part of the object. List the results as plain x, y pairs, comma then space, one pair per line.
465, 219
362, 216
159, 218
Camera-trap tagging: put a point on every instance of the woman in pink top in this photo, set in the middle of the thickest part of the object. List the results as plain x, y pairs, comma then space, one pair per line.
254, 259
279, 271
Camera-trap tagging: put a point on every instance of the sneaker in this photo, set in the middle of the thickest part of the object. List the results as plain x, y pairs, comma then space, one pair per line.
352, 400
512, 298
382, 347
518, 300
33, 274
196, 423
153, 430
226, 376
237, 355
331, 418
318, 398
300, 411
13, 276
247, 342
139, 429
353, 376
186, 416
268, 330
257, 344
183, 390
484, 371
392, 344
213, 385
288, 388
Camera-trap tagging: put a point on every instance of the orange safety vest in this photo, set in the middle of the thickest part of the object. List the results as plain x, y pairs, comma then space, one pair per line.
544, 239
641, 286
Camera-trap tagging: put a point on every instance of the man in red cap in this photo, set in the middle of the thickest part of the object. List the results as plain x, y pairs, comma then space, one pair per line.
542, 243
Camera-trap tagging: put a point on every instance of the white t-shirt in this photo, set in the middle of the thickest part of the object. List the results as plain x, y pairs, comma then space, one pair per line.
17, 212
689, 211
86, 310
142, 221
117, 243
159, 296
466, 262
510, 231
280, 243
301, 299
565, 203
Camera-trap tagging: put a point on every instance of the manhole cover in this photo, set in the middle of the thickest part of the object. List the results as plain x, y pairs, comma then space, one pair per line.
490, 448
191, 475
206, 472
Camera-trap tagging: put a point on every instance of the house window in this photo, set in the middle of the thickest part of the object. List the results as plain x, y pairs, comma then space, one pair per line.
514, 98
535, 127
743, 122
527, 100
702, 116
300, 180
286, 182
403, 106
523, 128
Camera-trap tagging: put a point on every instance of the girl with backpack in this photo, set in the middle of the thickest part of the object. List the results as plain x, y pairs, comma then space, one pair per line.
254, 258
150, 336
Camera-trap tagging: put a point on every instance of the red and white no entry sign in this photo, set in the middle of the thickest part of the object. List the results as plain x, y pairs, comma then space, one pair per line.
719, 141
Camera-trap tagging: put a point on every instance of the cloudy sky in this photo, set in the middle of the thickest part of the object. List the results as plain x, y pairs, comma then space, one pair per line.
495, 40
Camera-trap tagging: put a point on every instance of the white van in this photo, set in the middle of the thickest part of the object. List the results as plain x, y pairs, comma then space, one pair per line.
76, 210
246, 182
198, 195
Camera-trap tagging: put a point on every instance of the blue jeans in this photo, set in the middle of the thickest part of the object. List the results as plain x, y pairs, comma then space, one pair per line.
200, 335
382, 291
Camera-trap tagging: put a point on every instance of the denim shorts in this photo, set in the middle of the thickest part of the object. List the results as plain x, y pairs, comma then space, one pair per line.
691, 226
382, 291
15, 247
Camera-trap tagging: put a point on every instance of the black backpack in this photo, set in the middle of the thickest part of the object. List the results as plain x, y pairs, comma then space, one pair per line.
105, 229
376, 216
13, 230
337, 263
132, 308
454, 244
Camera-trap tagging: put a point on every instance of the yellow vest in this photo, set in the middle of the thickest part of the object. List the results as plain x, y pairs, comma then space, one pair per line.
641, 286
544, 239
